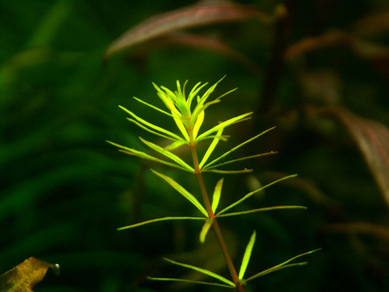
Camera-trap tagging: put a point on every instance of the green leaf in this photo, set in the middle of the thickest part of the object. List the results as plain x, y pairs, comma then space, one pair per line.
152, 106
237, 147
183, 192
205, 229
168, 154
228, 171
181, 127
256, 191
194, 92
217, 194
223, 125
282, 265
152, 126
261, 210
247, 256
243, 158
174, 145
159, 220
153, 132
203, 271
143, 155
190, 281
198, 123
211, 147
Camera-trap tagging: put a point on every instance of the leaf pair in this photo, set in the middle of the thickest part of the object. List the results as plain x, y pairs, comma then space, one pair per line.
224, 281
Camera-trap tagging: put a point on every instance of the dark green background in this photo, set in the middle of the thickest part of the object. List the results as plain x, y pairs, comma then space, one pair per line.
64, 190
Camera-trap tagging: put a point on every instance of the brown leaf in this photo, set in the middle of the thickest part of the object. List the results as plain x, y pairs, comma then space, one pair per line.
360, 47
25, 276
202, 13
373, 24
372, 139
198, 42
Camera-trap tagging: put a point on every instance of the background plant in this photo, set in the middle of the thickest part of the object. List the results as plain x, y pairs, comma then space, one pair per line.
64, 191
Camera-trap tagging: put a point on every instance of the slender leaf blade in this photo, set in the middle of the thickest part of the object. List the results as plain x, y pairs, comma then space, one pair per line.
282, 265
198, 123
203, 271
159, 220
143, 155
224, 124
216, 195
247, 256
262, 210
211, 148
168, 154
152, 106
243, 158
189, 281
183, 192
150, 125
256, 191
204, 231
237, 147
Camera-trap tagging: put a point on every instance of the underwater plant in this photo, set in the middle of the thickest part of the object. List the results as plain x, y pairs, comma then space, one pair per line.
188, 114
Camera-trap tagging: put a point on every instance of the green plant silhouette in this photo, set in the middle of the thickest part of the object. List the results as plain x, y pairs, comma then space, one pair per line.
188, 113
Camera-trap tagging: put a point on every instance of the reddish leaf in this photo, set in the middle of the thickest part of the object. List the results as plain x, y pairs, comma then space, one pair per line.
373, 141
362, 48
373, 24
25, 276
202, 13
198, 42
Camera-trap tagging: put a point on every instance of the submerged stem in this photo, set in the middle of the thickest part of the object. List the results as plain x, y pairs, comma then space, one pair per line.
208, 207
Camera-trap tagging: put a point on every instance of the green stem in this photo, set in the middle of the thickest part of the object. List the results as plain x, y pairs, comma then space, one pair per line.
215, 225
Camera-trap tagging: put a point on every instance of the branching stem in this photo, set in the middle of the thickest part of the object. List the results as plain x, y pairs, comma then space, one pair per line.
208, 207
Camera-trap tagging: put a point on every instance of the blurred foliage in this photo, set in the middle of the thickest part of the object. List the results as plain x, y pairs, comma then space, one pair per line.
64, 190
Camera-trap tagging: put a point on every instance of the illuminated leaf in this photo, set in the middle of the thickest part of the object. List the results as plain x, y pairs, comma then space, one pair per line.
190, 281
183, 192
247, 256
159, 220
216, 195
203, 271
26, 275
205, 229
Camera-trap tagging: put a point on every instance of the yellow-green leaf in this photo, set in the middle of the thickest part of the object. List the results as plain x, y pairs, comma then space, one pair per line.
211, 147
247, 256
216, 195
189, 281
159, 220
168, 154
203, 271
256, 191
183, 192
205, 229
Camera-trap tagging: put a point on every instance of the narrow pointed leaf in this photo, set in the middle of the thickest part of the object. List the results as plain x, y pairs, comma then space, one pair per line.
189, 281
152, 106
168, 154
191, 16
205, 229
159, 220
151, 131
282, 265
150, 125
256, 191
183, 192
238, 146
198, 123
175, 145
261, 210
193, 93
143, 155
228, 171
211, 148
181, 127
224, 124
243, 158
217, 194
247, 256
203, 271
